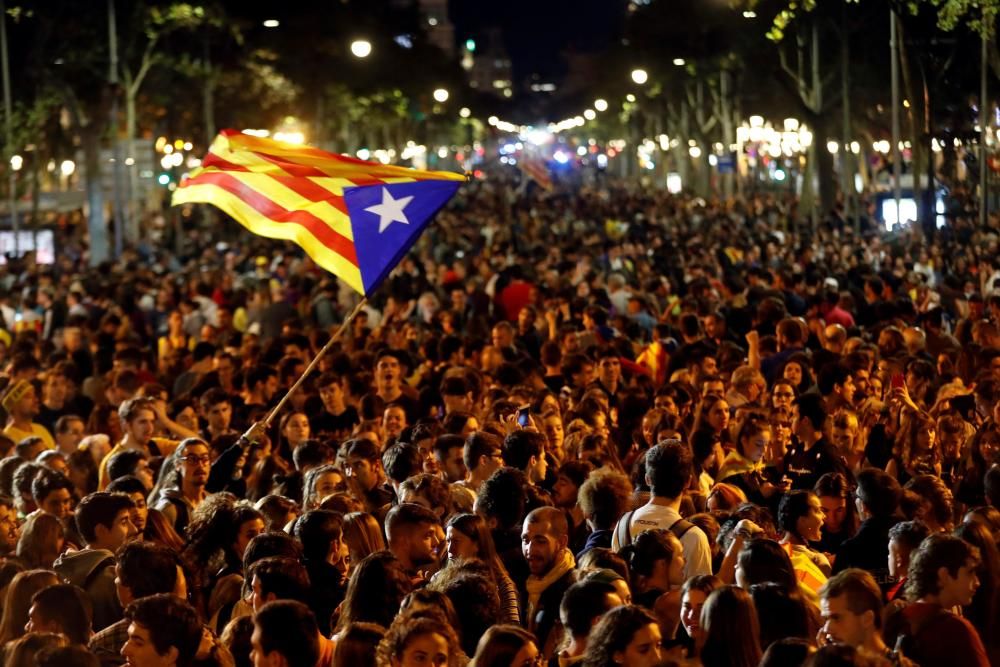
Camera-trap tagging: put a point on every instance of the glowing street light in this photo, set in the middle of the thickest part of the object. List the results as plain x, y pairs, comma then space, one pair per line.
361, 48
16, 162
272, 23
640, 76
441, 95
601, 104
679, 62
590, 114
67, 167
464, 112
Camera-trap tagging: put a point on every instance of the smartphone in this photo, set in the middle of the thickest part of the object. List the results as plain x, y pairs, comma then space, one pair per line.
897, 381
523, 413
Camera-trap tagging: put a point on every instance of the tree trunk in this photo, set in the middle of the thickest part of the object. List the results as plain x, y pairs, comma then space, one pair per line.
97, 226
132, 225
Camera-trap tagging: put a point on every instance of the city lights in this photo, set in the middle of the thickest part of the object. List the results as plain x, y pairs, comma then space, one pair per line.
441, 95
272, 23
16, 162
464, 112
601, 104
361, 48
640, 76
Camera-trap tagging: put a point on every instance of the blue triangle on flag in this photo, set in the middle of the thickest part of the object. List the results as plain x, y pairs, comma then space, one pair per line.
387, 219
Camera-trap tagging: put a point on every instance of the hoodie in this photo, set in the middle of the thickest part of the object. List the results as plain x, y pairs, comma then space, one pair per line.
93, 570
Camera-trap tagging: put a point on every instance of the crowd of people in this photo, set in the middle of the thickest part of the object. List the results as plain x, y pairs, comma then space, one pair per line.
598, 426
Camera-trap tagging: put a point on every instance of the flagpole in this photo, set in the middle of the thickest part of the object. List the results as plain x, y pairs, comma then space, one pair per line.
249, 435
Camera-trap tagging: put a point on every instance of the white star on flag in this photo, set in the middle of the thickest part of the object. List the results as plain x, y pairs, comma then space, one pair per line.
390, 210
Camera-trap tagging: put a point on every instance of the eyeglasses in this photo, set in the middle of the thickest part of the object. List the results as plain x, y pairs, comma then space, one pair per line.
194, 459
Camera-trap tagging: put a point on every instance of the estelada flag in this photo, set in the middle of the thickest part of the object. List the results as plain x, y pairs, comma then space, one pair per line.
356, 219
537, 171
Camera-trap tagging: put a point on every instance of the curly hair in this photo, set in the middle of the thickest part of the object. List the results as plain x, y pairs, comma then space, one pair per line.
937, 551
213, 530
908, 447
932, 489
407, 627
613, 633
605, 497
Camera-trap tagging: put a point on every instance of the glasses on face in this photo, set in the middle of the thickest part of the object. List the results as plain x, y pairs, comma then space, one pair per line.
197, 460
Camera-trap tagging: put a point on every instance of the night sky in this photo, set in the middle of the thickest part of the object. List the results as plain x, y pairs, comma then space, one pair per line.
537, 33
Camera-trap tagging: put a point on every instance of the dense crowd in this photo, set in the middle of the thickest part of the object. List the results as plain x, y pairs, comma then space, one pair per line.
603, 426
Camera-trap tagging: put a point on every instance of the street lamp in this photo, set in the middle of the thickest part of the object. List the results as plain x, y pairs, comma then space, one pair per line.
441, 95
640, 76
361, 48
590, 114
272, 23
601, 104
680, 62
464, 112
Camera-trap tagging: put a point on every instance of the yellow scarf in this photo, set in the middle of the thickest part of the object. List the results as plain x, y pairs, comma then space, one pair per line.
737, 464
536, 585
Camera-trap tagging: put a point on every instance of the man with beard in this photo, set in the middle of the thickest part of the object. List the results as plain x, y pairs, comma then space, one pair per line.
21, 404
544, 542
9, 529
413, 532
177, 504
138, 425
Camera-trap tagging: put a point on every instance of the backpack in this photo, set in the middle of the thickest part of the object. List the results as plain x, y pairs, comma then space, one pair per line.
679, 528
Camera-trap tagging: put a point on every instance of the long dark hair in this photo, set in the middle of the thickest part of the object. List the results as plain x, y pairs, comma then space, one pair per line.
764, 561
732, 631
476, 529
613, 633
375, 590
984, 612
834, 485
500, 645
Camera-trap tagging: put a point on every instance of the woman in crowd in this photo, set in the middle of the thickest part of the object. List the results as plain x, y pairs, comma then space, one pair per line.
800, 517
656, 562
42, 540
320, 482
415, 640
840, 514
468, 536
375, 590
627, 635
362, 535
18, 601
358, 645
731, 630
506, 646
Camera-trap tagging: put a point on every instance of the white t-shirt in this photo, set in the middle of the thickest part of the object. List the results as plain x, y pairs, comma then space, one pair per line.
697, 553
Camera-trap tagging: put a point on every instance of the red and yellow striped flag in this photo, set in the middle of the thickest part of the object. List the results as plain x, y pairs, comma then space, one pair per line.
537, 171
356, 219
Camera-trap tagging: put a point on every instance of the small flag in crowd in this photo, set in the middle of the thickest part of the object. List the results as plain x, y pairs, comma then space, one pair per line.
356, 219
537, 171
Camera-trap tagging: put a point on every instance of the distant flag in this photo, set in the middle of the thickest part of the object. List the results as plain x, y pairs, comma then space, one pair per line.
536, 170
355, 219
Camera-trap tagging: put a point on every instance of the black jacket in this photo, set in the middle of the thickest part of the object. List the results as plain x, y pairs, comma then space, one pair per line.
545, 623
869, 550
